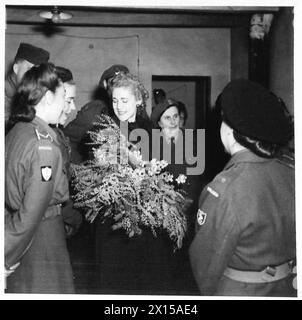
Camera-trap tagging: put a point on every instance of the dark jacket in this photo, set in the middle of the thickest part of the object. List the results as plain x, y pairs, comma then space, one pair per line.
246, 222
72, 217
174, 153
35, 187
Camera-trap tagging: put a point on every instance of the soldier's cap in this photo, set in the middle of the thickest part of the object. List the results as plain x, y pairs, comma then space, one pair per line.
111, 72
159, 109
32, 54
255, 112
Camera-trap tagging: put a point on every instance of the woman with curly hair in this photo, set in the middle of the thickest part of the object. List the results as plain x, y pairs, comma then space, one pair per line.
138, 264
129, 98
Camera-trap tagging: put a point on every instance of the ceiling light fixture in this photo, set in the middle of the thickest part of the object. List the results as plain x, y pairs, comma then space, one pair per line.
55, 15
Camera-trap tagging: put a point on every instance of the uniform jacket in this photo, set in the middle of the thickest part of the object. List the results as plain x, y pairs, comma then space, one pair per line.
35, 187
246, 219
77, 129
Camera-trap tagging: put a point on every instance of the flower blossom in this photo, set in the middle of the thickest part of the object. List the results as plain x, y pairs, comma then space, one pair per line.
167, 177
181, 179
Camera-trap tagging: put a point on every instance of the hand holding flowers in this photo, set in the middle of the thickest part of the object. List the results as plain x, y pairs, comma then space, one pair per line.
137, 194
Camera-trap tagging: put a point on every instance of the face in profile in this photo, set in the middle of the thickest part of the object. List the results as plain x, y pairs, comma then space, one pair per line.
56, 105
169, 121
70, 93
125, 103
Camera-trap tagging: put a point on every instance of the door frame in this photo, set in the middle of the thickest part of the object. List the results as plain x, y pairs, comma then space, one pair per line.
202, 94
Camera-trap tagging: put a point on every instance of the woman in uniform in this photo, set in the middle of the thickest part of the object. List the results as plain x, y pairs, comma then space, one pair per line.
36, 185
245, 243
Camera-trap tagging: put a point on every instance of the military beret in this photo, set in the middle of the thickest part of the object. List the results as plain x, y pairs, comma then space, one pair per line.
111, 72
32, 54
255, 112
159, 109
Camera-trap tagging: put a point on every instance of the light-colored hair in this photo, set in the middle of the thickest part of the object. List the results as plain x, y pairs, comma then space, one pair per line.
128, 80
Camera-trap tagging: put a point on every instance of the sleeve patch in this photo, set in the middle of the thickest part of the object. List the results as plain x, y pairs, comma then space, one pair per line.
201, 217
46, 173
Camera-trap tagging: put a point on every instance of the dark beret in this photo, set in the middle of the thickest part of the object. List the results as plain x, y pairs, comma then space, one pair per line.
32, 54
253, 111
111, 72
159, 109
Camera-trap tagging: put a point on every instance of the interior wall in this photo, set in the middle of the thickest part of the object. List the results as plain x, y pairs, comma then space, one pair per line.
239, 52
282, 57
181, 91
88, 51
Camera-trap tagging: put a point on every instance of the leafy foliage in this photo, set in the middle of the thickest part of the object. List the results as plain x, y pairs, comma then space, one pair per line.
135, 193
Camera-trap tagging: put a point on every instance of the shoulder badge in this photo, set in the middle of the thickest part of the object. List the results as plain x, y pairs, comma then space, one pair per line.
46, 173
201, 217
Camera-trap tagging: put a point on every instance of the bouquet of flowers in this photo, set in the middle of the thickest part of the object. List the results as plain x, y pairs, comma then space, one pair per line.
135, 193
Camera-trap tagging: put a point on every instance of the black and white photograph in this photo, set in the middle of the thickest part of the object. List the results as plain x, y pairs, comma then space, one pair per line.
149, 151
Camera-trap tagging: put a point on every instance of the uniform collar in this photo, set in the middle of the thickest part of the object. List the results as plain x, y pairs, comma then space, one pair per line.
244, 156
43, 128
